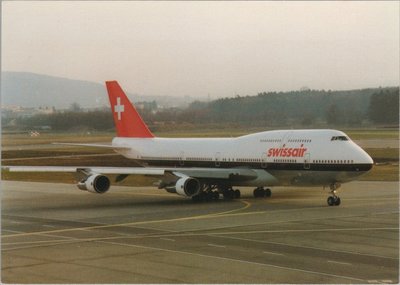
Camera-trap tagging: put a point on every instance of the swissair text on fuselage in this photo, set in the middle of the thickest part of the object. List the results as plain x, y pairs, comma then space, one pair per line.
287, 151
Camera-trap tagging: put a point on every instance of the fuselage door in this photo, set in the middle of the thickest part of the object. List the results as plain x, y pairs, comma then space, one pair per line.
181, 158
264, 160
217, 159
307, 160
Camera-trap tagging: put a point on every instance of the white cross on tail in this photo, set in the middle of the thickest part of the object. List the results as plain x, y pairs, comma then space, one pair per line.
119, 108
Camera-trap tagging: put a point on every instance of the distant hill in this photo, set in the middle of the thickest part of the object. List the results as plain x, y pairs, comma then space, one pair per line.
34, 90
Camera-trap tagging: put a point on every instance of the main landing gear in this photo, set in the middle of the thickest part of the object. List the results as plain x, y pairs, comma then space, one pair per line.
260, 192
206, 196
212, 193
334, 200
230, 194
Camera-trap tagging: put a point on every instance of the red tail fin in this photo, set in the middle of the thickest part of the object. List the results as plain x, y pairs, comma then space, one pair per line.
127, 120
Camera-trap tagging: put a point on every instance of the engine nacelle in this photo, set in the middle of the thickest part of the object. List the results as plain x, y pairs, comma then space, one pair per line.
187, 186
95, 183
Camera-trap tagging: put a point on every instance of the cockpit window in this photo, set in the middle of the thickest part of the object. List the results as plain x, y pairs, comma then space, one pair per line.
339, 138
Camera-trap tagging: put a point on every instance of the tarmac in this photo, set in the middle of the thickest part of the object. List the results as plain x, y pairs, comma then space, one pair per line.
55, 233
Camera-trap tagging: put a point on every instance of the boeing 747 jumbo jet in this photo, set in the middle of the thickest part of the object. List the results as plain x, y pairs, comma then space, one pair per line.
204, 168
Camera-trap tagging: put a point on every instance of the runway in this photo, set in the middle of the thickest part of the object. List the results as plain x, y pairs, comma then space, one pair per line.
54, 233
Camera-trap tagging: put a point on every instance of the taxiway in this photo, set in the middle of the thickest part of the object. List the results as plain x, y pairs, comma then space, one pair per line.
54, 233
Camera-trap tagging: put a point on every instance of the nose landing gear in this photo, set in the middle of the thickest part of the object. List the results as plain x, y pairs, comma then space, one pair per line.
334, 200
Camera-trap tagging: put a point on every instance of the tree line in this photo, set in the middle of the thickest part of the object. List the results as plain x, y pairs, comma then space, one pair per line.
305, 108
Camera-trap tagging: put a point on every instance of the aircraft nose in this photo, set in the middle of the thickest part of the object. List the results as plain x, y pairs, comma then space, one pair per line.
367, 161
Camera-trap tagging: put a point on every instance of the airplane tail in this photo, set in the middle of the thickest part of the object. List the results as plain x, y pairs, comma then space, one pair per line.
127, 120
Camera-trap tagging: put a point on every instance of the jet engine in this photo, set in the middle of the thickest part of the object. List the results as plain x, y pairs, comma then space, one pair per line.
187, 186
95, 183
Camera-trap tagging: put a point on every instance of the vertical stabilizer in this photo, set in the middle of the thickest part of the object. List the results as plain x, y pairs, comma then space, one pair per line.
127, 120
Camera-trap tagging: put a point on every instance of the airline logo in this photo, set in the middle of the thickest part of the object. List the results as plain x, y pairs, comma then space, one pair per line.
286, 151
119, 109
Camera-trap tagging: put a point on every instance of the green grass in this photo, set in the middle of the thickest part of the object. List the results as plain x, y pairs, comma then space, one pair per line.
239, 131
178, 131
388, 172
48, 138
368, 134
13, 154
383, 154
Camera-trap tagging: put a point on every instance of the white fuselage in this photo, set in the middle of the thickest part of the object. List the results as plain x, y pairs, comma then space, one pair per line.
292, 157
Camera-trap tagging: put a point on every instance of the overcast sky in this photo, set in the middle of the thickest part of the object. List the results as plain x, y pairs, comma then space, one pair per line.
201, 48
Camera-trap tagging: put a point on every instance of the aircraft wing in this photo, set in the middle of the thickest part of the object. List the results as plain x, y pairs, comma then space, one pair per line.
94, 145
201, 173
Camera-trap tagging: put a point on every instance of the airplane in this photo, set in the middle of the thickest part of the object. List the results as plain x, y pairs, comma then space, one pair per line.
205, 168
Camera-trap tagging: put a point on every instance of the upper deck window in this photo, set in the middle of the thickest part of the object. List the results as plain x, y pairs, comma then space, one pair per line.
339, 138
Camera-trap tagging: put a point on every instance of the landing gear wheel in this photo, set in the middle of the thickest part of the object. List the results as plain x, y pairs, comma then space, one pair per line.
334, 200
229, 194
261, 192
216, 195
237, 194
331, 201
257, 193
209, 196
196, 198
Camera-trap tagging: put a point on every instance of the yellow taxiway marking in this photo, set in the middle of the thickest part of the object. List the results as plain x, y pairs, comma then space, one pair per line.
207, 216
248, 204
